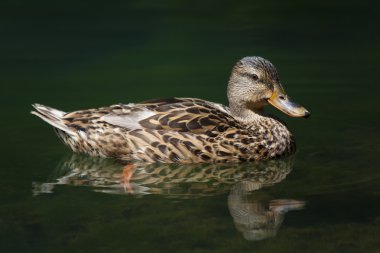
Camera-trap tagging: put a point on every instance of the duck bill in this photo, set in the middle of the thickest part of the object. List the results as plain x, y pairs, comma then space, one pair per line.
282, 102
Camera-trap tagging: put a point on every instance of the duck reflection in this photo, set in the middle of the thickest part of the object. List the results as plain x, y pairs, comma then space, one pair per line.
255, 218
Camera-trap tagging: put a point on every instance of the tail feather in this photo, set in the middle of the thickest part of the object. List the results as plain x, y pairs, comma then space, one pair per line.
52, 116
49, 111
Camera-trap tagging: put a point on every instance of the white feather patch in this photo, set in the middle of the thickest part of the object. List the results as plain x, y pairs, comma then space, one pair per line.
130, 121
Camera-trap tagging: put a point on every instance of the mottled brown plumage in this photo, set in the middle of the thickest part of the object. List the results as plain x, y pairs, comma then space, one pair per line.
187, 130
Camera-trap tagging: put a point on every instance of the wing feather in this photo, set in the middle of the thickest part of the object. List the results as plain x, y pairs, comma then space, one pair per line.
174, 114
130, 120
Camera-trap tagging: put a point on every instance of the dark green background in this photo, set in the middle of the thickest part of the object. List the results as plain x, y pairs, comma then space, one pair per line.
81, 54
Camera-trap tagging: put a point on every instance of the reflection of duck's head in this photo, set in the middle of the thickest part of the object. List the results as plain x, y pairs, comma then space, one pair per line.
188, 180
258, 219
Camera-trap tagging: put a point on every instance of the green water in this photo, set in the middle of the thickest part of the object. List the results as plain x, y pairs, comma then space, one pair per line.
73, 55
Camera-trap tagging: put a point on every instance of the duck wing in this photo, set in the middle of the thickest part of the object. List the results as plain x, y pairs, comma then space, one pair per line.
173, 114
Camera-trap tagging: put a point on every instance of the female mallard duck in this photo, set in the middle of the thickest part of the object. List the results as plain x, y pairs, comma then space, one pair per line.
187, 130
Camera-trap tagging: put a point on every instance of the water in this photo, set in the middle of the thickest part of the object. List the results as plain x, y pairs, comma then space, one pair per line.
81, 55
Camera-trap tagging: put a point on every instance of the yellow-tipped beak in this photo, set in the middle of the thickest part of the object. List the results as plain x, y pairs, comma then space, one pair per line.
282, 102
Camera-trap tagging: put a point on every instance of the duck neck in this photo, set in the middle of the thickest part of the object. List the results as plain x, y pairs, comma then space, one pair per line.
247, 112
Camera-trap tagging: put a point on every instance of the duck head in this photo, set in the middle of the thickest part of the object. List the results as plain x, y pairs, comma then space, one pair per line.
254, 83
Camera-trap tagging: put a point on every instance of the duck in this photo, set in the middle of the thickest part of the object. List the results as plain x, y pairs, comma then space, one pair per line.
187, 130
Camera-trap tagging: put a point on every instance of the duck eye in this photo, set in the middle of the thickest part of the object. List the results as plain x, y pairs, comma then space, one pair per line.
255, 77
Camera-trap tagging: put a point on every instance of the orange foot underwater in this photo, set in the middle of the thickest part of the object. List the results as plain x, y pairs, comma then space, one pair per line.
127, 175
